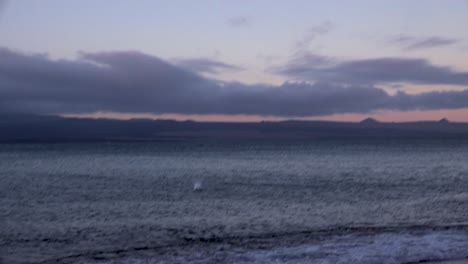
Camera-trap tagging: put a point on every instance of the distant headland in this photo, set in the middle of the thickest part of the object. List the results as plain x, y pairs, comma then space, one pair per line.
36, 128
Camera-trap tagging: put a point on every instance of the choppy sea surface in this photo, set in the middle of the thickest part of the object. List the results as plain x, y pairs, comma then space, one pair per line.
332, 201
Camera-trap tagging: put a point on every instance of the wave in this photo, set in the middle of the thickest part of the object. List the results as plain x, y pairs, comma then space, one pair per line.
340, 244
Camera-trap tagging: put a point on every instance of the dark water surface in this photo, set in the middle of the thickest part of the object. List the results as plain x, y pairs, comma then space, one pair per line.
394, 201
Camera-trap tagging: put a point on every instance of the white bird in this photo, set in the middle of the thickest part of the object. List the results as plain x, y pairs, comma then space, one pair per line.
197, 186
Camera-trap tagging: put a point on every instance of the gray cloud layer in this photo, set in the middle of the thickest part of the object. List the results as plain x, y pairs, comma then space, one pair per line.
414, 43
371, 71
136, 82
205, 65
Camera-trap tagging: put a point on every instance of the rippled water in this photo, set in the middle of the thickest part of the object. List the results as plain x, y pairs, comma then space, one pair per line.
315, 202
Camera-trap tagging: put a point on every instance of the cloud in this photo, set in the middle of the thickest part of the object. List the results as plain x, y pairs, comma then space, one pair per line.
240, 21
312, 34
410, 43
133, 82
205, 65
371, 71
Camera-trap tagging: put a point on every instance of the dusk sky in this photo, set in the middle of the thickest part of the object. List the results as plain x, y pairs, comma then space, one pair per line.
395, 60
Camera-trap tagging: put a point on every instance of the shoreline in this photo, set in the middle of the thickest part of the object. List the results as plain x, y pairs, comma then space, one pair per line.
459, 261
454, 261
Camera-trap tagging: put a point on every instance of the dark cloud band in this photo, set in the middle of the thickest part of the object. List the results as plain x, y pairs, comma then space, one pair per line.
371, 71
410, 43
135, 82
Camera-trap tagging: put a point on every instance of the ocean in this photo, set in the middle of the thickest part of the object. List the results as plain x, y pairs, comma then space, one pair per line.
324, 201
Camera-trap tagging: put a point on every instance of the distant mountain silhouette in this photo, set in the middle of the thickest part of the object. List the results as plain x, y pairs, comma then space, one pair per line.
444, 121
369, 120
34, 128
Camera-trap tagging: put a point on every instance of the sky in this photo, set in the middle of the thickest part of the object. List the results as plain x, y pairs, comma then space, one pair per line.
394, 60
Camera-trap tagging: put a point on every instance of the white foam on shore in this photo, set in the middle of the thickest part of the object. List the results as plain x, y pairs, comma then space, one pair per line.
389, 248
383, 248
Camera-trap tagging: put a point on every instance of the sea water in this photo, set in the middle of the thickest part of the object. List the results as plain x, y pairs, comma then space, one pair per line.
329, 201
